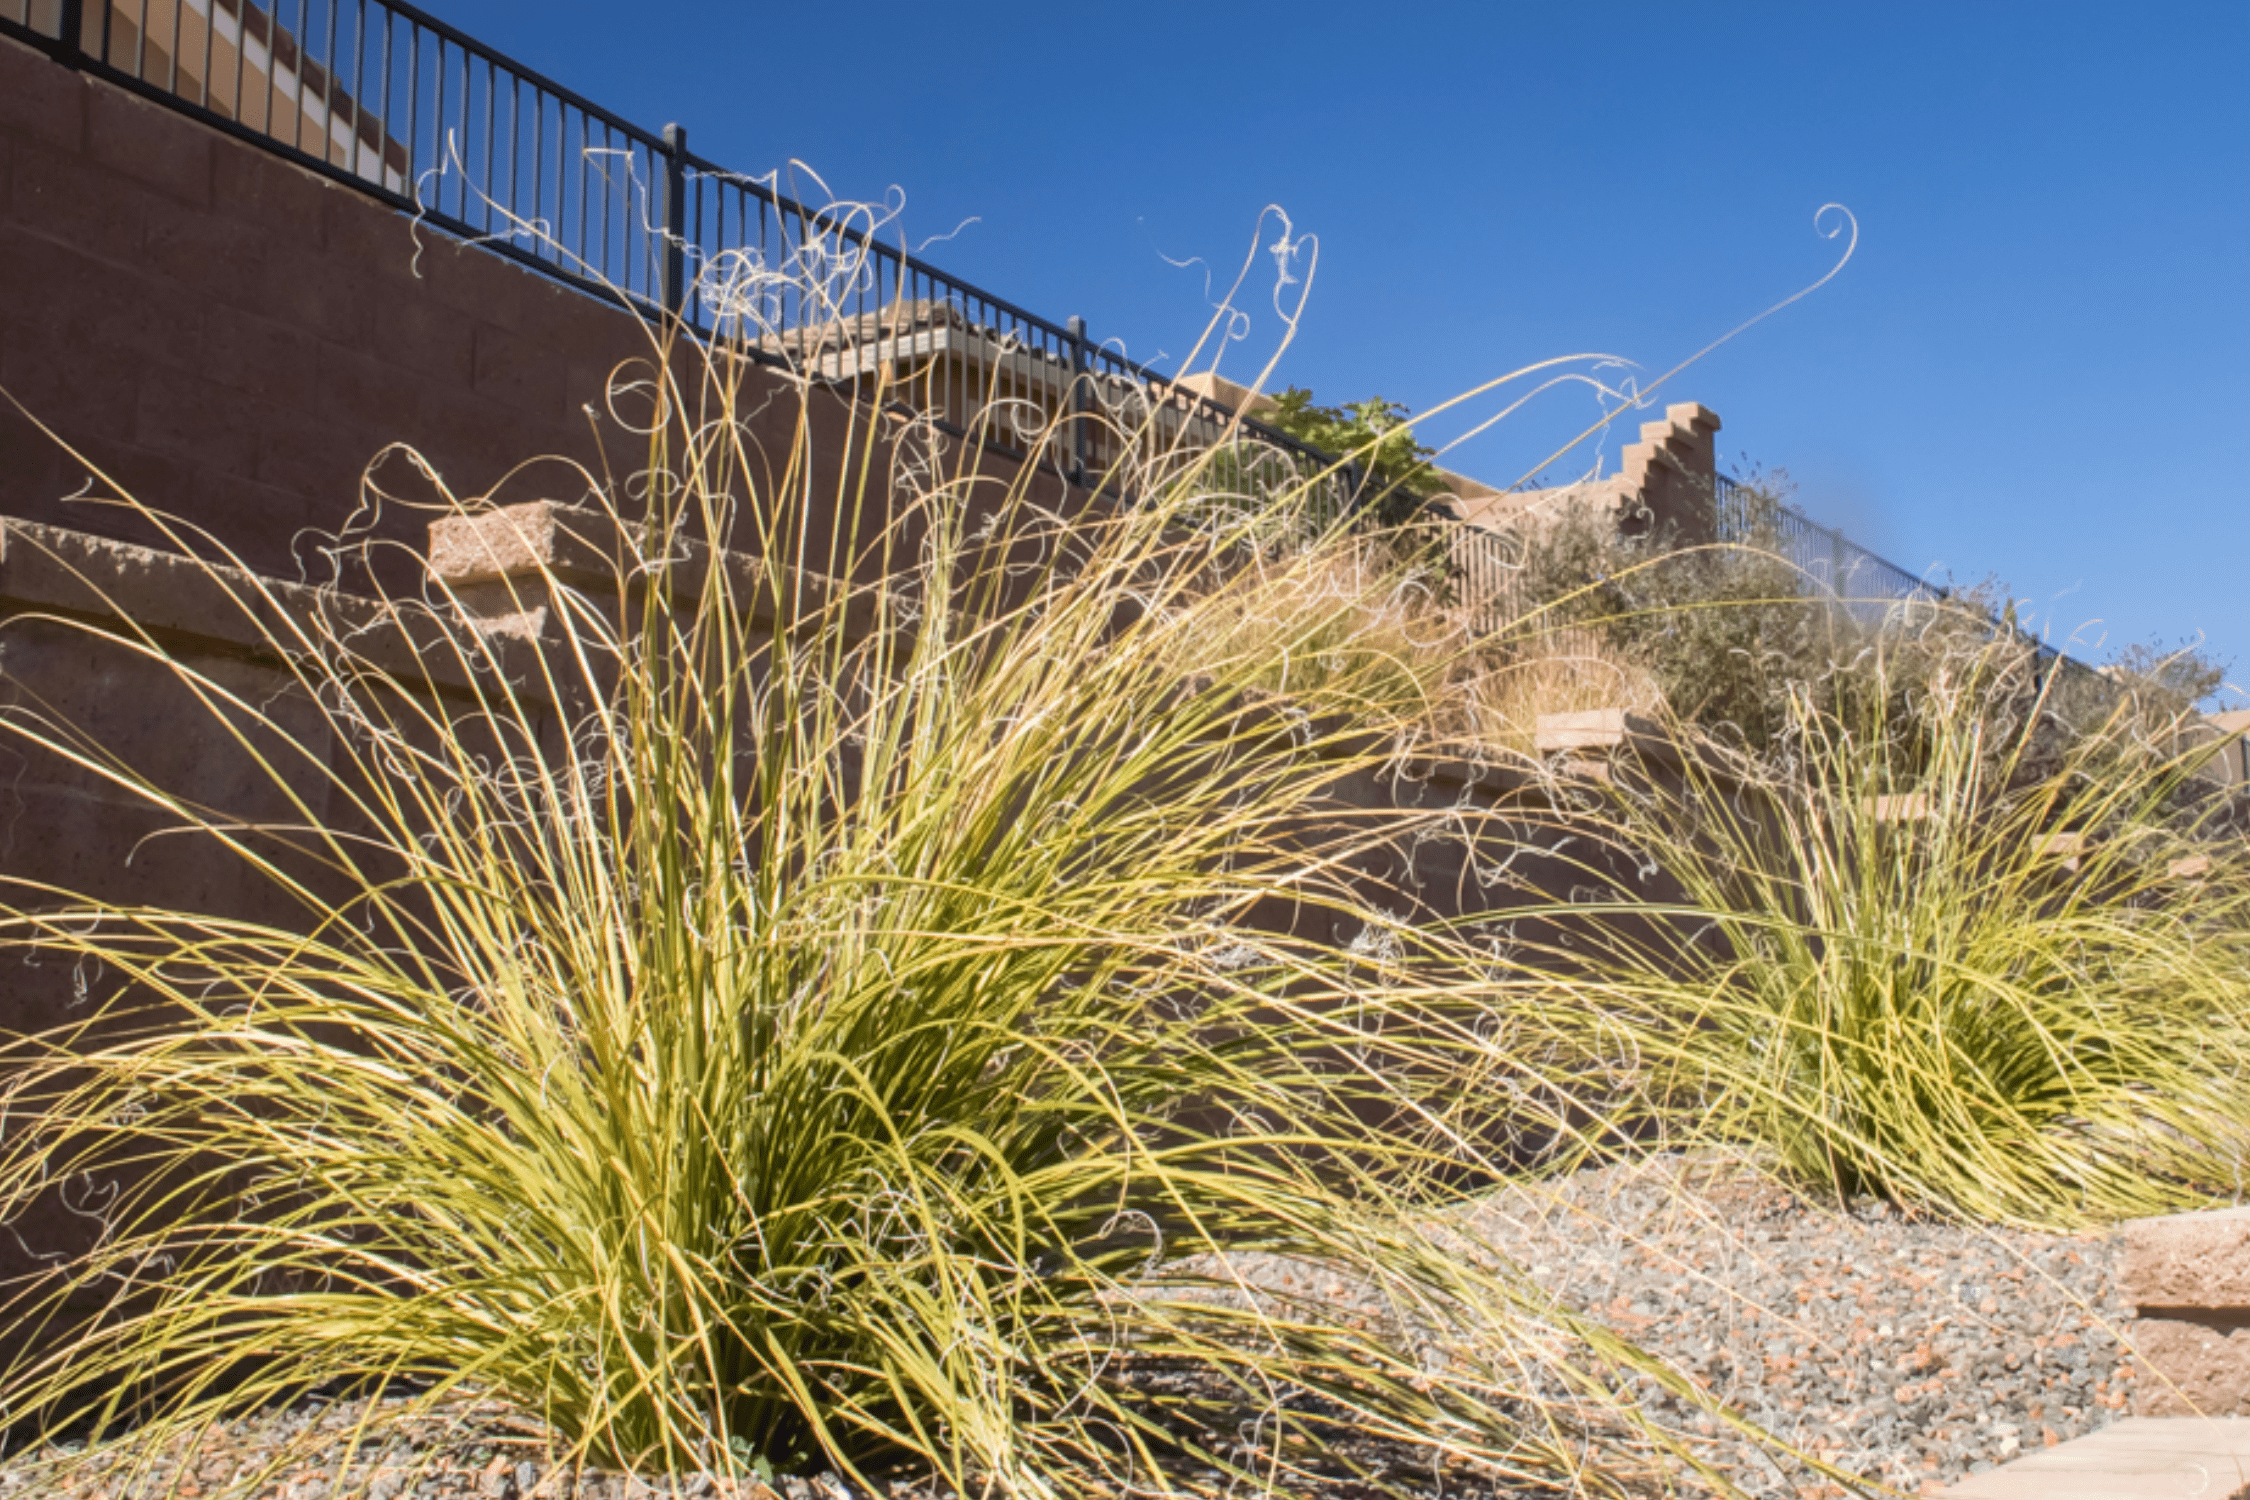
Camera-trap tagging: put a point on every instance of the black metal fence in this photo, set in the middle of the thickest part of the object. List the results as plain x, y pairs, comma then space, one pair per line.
1488, 569
395, 102
1830, 562
1872, 588
1826, 562
388, 98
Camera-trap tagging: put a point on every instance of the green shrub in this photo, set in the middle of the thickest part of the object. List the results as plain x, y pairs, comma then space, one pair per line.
1741, 643
1375, 435
1731, 634
2166, 682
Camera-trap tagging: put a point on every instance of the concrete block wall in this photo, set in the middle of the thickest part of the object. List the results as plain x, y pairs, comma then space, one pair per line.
69, 827
1666, 483
233, 338
1667, 480
2187, 1277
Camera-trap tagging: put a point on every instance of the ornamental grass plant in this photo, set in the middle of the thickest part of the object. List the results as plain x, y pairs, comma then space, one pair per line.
835, 1007
1938, 948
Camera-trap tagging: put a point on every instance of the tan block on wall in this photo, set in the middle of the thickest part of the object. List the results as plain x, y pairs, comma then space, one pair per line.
1587, 729
522, 540
2199, 1260
1598, 732
2194, 1368
2188, 1277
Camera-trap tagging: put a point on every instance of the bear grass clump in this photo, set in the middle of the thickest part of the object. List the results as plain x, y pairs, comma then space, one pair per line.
845, 1003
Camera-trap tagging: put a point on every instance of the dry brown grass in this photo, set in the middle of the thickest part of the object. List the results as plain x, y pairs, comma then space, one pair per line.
1362, 611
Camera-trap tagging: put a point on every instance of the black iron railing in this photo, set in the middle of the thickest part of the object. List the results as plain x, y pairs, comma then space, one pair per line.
1871, 588
1830, 562
383, 96
1488, 566
1825, 561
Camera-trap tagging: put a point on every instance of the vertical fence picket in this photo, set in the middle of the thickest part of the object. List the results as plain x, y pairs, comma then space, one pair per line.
670, 286
1079, 402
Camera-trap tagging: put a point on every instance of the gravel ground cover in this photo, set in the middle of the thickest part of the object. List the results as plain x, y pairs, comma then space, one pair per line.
1901, 1347
1898, 1346
323, 1449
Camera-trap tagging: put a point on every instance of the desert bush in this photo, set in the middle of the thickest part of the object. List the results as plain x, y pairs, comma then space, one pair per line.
1740, 642
847, 1025
2166, 683
1732, 634
1354, 612
2005, 980
1497, 703
1376, 435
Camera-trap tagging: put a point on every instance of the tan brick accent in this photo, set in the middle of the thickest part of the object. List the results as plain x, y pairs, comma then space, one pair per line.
2194, 1369
2188, 1277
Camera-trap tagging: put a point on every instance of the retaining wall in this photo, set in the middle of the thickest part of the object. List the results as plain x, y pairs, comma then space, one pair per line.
233, 339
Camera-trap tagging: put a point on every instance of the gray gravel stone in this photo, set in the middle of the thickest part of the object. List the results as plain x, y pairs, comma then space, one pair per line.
1913, 1348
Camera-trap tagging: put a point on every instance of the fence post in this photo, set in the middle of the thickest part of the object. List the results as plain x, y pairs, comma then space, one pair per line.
1081, 441
671, 289
73, 37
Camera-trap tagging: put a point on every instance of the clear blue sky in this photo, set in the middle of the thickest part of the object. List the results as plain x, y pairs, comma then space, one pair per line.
2033, 367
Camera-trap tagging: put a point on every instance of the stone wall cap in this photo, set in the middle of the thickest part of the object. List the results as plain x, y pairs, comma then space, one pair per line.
1603, 729
2190, 1260
517, 540
1586, 729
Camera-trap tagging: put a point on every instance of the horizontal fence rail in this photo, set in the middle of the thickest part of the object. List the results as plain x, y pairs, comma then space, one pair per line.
1831, 563
383, 96
1871, 588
